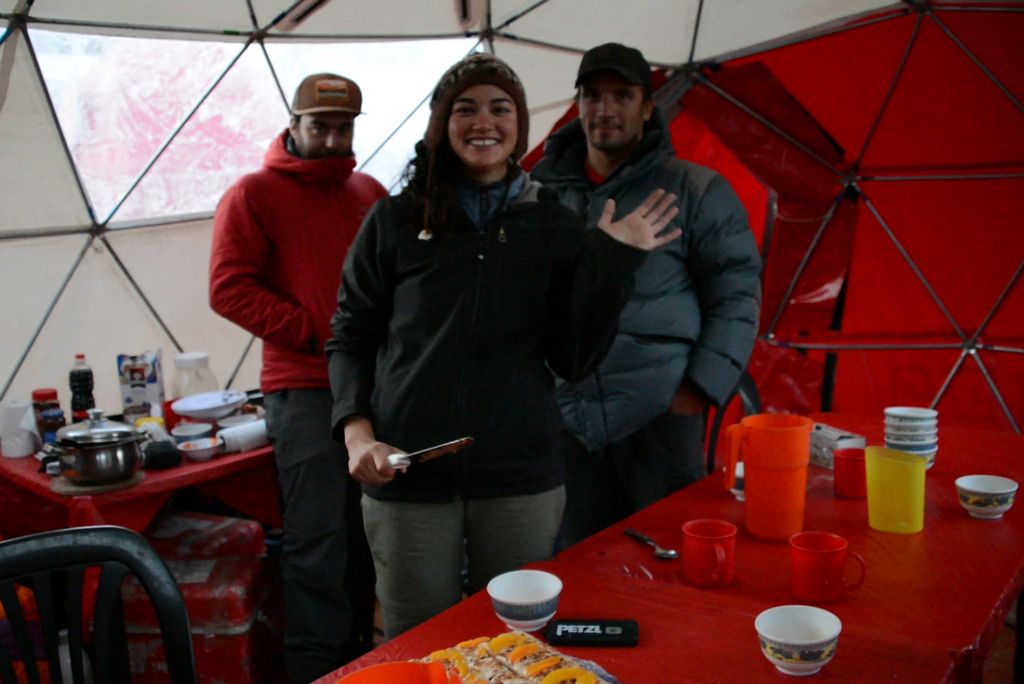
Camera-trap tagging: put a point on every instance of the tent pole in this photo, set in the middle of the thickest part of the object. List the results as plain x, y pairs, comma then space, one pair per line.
998, 303
138, 291
892, 89
241, 360
913, 266
60, 130
130, 29
949, 379
46, 315
402, 123
713, 87
1000, 348
977, 62
862, 346
848, 23
273, 74
173, 135
696, 30
808, 253
519, 15
948, 177
995, 390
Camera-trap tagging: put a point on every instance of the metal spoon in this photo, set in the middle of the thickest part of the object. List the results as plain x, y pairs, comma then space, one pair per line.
658, 551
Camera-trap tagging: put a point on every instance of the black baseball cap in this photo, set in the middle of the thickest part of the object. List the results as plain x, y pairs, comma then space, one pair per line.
625, 61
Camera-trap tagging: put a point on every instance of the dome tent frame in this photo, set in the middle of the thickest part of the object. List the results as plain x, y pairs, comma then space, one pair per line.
514, 32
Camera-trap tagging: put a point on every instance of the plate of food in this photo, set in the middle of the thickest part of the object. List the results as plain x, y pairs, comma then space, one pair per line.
517, 657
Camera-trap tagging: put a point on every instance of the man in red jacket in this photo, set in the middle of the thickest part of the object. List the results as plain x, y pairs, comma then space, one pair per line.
279, 239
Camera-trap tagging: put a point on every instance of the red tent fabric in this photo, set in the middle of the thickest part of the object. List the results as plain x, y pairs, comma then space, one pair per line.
882, 165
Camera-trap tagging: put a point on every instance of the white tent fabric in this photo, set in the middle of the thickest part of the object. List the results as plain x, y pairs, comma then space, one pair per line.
105, 224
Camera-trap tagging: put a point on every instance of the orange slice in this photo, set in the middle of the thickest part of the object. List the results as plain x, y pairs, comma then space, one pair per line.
543, 666
503, 642
570, 674
472, 643
452, 657
520, 652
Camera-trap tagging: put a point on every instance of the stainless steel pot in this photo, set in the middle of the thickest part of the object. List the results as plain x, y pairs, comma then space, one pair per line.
98, 450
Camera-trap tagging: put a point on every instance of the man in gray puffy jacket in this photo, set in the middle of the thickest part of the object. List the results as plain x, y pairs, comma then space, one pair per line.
686, 334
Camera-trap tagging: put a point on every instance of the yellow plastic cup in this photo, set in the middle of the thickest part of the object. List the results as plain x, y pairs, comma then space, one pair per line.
895, 490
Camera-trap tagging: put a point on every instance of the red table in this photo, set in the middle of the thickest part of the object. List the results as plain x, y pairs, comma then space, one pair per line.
245, 481
685, 636
928, 611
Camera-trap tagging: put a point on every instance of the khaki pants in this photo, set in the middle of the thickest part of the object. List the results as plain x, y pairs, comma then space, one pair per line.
419, 548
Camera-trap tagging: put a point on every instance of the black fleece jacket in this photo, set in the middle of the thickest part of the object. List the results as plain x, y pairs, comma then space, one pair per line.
452, 336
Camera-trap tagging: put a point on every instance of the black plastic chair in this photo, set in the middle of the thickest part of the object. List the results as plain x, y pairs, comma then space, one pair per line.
750, 401
54, 566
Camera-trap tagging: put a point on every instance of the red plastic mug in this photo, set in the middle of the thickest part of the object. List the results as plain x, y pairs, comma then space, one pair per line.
818, 561
849, 479
709, 552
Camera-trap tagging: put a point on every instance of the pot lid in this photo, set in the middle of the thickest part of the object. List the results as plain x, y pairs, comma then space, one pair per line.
96, 430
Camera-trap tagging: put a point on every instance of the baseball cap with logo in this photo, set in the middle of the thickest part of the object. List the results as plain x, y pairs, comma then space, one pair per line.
625, 61
327, 93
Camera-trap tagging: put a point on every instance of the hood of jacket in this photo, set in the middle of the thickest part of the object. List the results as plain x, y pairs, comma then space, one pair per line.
316, 171
566, 149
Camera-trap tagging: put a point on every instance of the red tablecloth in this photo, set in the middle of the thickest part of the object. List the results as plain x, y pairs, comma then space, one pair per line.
949, 586
685, 636
928, 611
247, 482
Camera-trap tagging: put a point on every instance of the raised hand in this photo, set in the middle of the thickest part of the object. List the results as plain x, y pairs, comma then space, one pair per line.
640, 227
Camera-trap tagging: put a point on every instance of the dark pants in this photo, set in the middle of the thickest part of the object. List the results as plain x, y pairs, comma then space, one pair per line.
325, 561
606, 485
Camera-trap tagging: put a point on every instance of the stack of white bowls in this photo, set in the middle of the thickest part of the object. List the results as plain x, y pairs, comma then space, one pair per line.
914, 430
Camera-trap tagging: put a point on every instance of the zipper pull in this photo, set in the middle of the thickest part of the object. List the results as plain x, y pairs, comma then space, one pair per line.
502, 235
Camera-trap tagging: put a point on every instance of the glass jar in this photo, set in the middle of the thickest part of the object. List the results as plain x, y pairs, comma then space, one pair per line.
45, 400
50, 422
192, 374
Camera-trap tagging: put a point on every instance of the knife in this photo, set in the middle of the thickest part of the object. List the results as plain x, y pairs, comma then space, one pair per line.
404, 460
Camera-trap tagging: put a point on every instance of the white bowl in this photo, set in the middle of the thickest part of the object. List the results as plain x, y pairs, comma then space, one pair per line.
798, 640
986, 496
209, 405
918, 448
525, 599
912, 437
904, 428
236, 419
201, 449
186, 432
909, 414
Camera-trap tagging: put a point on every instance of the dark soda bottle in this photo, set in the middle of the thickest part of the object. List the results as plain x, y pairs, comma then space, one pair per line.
81, 382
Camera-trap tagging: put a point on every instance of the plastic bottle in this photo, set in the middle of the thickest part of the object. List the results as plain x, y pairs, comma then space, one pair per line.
81, 381
192, 374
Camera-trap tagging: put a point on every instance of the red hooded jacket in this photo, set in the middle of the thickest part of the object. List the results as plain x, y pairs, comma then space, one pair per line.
280, 236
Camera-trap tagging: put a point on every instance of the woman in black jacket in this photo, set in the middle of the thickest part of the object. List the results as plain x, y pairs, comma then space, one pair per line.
457, 297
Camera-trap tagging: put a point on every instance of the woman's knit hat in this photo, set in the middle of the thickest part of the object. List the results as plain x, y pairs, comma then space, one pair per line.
473, 70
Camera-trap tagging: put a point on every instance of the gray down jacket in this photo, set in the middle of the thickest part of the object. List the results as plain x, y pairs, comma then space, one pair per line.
694, 309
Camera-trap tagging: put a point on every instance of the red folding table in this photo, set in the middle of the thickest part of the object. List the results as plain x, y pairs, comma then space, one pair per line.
246, 481
929, 609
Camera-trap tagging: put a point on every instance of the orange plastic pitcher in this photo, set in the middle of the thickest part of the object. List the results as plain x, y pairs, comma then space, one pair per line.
775, 450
